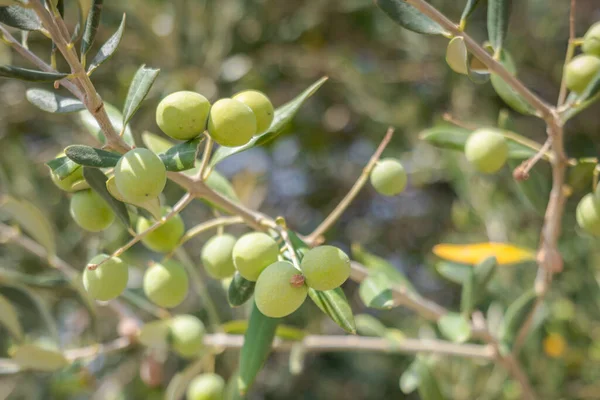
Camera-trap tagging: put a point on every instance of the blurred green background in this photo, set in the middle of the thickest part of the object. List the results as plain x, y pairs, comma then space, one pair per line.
379, 75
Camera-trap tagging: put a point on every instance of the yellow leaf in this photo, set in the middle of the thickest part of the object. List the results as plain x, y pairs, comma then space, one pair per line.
475, 253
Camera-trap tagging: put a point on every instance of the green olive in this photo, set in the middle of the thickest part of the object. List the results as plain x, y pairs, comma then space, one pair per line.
90, 211
231, 123
591, 40
182, 115
140, 175
388, 177
217, 256
254, 252
260, 105
68, 184
166, 284
588, 214
487, 150
276, 294
580, 71
186, 334
206, 387
108, 280
325, 267
166, 237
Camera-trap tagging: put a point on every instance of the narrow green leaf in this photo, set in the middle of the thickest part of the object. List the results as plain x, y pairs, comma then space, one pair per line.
91, 27
116, 119
30, 75
108, 48
376, 291
455, 327
467, 296
52, 102
429, 388
468, 10
410, 379
484, 272
257, 346
240, 290
91, 157
507, 93
498, 17
182, 156
37, 358
535, 191
283, 115
592, 89
285, 332
10, 319
380, 265
335, 305
20, 17
97, 181
515, 316
368, 325
62, 167
32, 220
457, 273
138, 90
580, 175
221, 185
156, 143
409, 17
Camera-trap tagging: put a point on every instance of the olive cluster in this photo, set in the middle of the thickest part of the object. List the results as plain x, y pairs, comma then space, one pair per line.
583, 68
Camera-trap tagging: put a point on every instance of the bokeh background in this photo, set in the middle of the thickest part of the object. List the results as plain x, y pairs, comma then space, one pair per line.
379, 75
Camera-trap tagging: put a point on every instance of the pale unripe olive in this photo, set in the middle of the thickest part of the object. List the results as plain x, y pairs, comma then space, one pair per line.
254, 252
591, 40
231, 123
588, 214
140, 175
487, 150
166, 237
260, 105
182, 115
217, 256
166, 284
90, 211
206, 387
108, 280
388, 177
580, 71
277, 292
186, 334
67, 183
325, 267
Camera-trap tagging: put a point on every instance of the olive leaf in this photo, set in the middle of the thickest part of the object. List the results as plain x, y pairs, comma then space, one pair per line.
455, 327
256, 348
457, 273
467, 295
108, 48
240, 290
91, 27
484, 272
283, 115
580, 175
515, 316
409, 17
97, 181
462, 62
182, 156
20, 17
535, 191
138, 90
52, 102
151, 205
429, 388
155, 143
10, 319
377, 264
505, 91
37, 358
368, 325
335, 305
92, 157
32, 220
116, 119
30, 75
467, 11
410, 379
376, 291
62, 167
498, 16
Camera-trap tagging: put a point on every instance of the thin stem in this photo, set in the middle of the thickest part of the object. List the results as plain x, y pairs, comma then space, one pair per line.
569, 56
522, 171
316, 235
283, 233
205, 158
208, 225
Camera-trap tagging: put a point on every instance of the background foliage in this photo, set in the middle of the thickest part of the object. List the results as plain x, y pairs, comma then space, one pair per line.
380, 75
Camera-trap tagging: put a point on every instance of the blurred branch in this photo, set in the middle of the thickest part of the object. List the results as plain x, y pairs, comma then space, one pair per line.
569, 56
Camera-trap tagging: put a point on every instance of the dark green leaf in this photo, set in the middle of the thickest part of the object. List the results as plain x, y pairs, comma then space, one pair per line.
240, 290
257, 346
30, 75
91, 27
91, 157
535, 191
590, 91
108, 48
515, 316
455, 327
116, 119
97, 181
498, 17
484, 272
468, 10
457, 273
467, 296
376, 291
19, 17
429, 388
62, 167
409, 17
182, 156
283, 115
52, 102
580, 175
507, 93
138, 90
335, 305
381, 265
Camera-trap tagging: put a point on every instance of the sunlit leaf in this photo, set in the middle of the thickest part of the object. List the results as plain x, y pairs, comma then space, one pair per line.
51, 102
91, 157
32, 220
31, 75
34, 357
498, 17
376, 291
457, 56
10, 319
20, 17
475, 253
409, 17
108, 48
91, 26
182, 156
335, 305
468, 10
138, 90
116, 119
455, 327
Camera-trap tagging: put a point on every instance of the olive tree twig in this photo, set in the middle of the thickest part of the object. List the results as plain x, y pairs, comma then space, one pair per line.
570, 52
